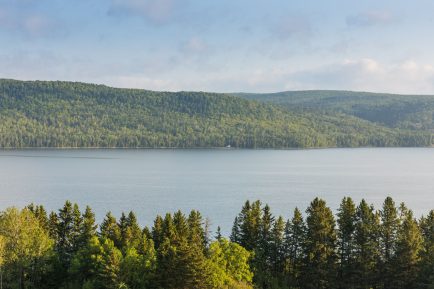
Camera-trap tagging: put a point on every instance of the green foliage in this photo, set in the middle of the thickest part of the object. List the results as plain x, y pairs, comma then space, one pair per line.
67, 114
362, 249
26, 248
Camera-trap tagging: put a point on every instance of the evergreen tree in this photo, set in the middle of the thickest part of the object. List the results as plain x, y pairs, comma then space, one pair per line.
236, 231
196, 230
320, 247
157, 231
295, 235
109, 265
77, 226
109, 229
66, 236
367, 248
88, 227
133, 233
218, 235
388, 238
181, 264
426, 276
123, 227
53, 223
278, 249
346, 243
263, 250
408, 253
40, 214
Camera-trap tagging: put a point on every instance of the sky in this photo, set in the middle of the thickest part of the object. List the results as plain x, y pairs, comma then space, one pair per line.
224, 45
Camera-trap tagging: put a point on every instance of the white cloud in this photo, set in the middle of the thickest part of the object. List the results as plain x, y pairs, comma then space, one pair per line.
369, 75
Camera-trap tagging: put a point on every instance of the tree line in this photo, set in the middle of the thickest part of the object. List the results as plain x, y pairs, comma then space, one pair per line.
67, 114
359, 247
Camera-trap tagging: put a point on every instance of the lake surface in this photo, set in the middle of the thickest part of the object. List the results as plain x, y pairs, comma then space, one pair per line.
216, 182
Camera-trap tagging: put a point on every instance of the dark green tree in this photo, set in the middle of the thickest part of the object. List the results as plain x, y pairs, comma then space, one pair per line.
367, 248
109, 229
409, 245
319, 268
295, 234
388, 240
346, 243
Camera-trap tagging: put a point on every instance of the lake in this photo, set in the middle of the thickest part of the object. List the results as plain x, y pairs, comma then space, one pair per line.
216, 182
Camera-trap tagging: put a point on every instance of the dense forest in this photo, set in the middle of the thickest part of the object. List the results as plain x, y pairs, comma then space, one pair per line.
414, 112
359, 247
67, 114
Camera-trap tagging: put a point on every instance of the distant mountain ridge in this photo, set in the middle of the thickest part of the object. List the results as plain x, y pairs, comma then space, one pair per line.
72, 114
391, 110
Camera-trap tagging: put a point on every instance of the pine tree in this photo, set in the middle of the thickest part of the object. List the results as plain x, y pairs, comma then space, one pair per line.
277, 248
426, 276
77, 225
65, 237
109, 265
181, 264
346, 243
218, 235
366, 251
109, 229
123, 227
320, 245
262, 247
133, 233
388, 238
53, 223
295, 235
196, 230
40, 214
408, 253
88, 227
157, 231
236, 231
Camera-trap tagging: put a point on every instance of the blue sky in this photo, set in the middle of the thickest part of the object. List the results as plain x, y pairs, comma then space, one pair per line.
223, 46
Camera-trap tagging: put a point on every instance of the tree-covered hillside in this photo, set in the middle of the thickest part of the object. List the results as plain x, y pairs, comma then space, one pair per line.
392, 110
67, 114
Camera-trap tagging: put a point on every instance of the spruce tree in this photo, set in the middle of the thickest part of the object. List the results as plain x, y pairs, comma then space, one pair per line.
319, 270
366, 251
236, 231
346, 243
157, 231
295, 235
109, 229
65, 237
388, 239
218, 235
426, 275
277, 249
88, 226
262, 247
133, 233
408, 253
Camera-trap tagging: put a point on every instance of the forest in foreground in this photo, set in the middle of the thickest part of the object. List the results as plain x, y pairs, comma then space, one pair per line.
68, 114
359, 247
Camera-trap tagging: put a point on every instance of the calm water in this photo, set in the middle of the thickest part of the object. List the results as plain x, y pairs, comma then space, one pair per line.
217, 182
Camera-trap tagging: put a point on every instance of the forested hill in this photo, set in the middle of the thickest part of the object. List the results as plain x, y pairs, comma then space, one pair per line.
67, 114
392, 110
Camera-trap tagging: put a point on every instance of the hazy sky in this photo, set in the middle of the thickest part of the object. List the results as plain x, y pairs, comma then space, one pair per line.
222, 45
